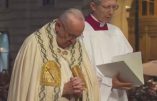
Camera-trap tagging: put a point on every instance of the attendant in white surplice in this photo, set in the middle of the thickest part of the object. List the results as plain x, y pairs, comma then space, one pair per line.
52, 64
103, 41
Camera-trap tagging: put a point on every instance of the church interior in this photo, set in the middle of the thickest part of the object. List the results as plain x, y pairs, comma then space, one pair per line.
19, 18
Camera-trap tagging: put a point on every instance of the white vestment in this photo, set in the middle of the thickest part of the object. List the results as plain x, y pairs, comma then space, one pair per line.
102, 46
26, 80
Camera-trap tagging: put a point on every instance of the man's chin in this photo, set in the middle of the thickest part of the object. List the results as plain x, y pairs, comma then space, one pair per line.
66, 46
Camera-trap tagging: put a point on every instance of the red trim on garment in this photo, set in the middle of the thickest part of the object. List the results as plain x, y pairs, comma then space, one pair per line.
95, 24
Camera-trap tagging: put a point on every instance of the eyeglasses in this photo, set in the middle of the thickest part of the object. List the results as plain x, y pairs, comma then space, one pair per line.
109, 7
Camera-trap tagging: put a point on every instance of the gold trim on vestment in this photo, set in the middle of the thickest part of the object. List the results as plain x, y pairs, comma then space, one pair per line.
76, 71
51, 74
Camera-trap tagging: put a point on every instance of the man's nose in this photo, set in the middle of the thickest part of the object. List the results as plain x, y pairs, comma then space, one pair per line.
111, 11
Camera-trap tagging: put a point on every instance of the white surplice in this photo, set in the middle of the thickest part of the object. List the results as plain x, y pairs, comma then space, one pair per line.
102, 46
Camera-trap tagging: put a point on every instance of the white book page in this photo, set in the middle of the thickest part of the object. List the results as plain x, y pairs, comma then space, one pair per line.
129, 66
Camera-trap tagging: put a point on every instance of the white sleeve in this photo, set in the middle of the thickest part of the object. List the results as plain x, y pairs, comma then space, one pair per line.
103, 79
105, 85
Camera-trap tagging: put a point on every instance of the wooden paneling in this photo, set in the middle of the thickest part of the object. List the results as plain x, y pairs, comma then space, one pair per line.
148, 8
148, 37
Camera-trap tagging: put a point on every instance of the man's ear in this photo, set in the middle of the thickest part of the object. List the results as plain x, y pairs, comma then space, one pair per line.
93, 6
57, 26
58, 23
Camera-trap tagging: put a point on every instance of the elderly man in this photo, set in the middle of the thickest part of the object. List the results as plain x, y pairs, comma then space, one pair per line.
103, 41
52, 64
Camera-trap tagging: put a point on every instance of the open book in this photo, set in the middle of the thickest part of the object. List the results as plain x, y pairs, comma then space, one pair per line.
129, 67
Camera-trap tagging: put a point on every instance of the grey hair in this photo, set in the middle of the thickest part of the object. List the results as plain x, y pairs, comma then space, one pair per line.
71, 12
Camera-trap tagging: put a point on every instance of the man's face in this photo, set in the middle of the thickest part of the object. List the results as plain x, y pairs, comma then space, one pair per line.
104, 11
68, 34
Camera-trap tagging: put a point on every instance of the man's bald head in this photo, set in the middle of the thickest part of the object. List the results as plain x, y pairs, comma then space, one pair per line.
70, 15
97, 1
69, 27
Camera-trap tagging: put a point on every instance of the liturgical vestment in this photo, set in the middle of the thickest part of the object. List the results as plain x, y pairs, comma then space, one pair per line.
42, 68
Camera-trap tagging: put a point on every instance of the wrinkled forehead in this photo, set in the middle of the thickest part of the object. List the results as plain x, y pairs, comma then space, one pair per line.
75, 27
75, 21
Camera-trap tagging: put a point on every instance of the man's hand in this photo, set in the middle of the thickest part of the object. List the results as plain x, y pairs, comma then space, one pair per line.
74, 87
120, 84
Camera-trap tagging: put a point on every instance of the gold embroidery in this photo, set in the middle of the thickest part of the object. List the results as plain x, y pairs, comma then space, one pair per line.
51, 74
76, 71
62, 52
